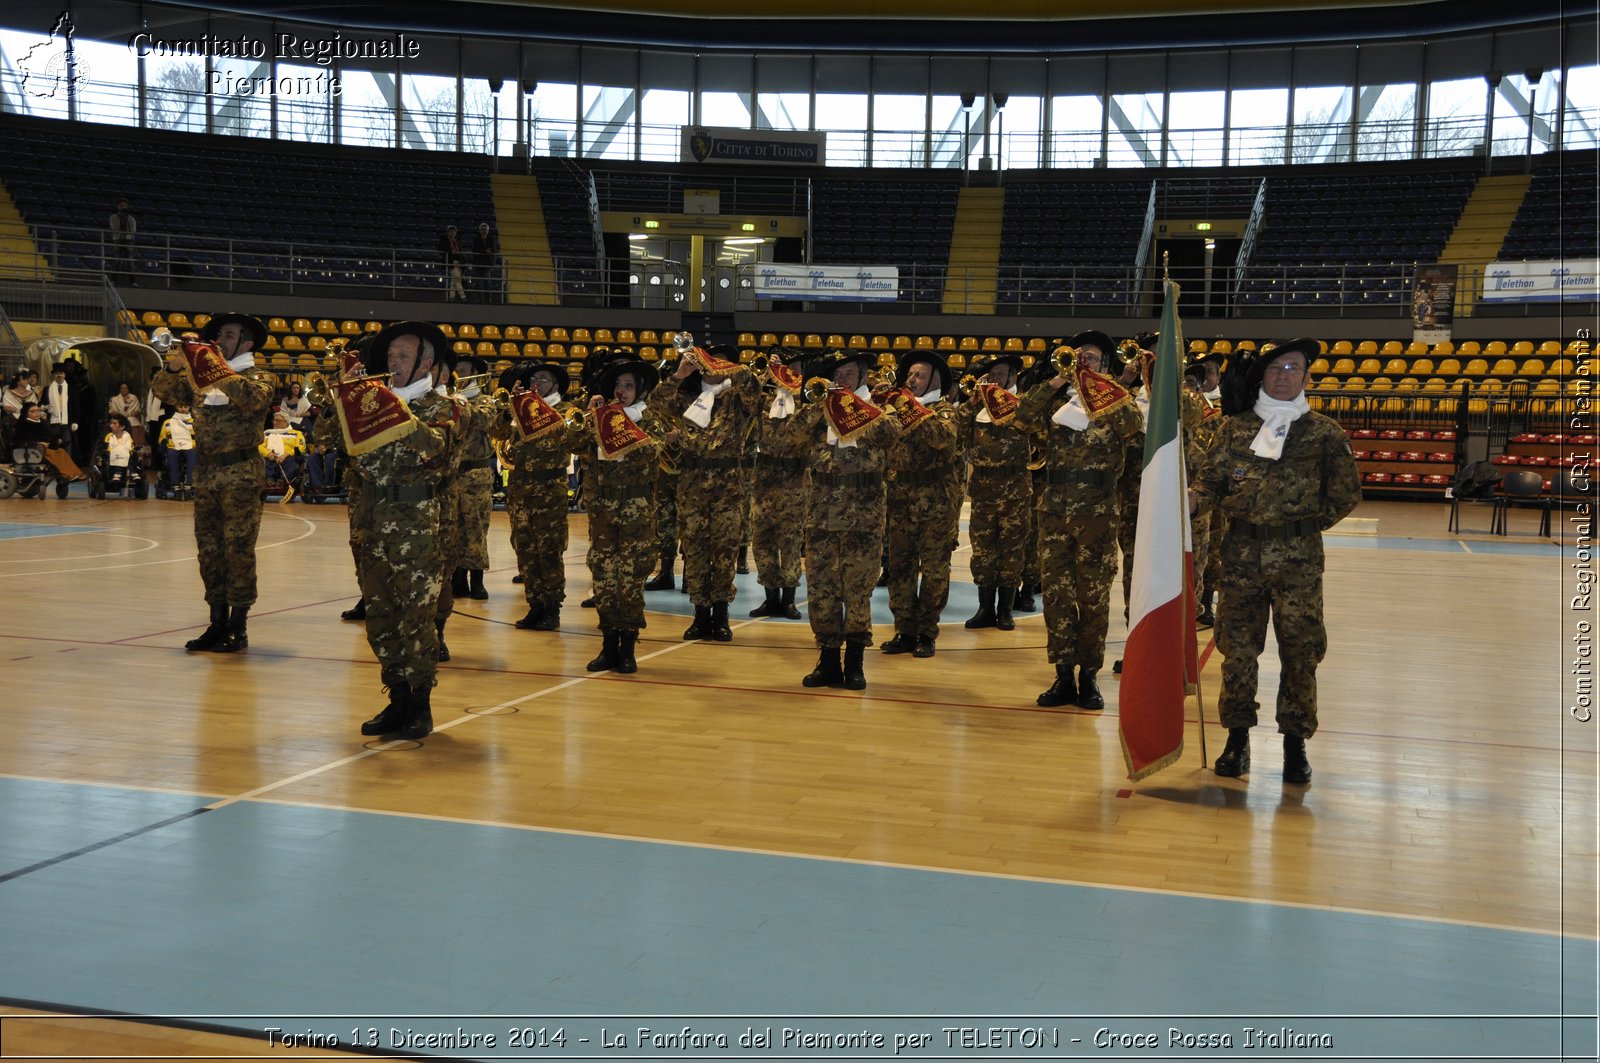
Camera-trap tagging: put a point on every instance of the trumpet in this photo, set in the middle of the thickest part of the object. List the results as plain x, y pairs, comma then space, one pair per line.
1062, 358
465, 383
967, 387
579, 396
501, 399
1128, 350
317, 389
816, 389
880, 378
361, 378
577, 419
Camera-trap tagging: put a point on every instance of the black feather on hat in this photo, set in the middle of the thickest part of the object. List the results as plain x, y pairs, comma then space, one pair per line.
252, 325
940, 367
376, 357
1099, 341
983, 365
825, 365
557, 371
642, 371
597, 360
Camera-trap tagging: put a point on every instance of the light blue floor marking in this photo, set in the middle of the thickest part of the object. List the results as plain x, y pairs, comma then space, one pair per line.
45, 819
258, 909
34, 531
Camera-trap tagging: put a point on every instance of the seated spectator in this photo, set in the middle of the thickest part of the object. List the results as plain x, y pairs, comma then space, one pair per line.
20, 390
33, 430
283, 450
296, 405
177, 437
118, 448
126, 405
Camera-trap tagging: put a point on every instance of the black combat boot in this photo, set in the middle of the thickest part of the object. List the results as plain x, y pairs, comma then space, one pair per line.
394, 716
355, 612
1089, 696
924, 646
984, 617
1296, 768
459, 587
531, 621
209, 638
419, 724
549, 617
607, 660
720, 631
234, 636
902, 642
773, 606
1002, 609
626, 640
517, 578
700, 627
828, 672
663, 580
476, 589
787, 600
1064, 691
854, 677
1025, 602
443, 653
1235, 759
1206, 616
743, 568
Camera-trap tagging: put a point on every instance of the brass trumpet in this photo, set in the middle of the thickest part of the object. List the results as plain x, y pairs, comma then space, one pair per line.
1128, 350
577, 419
967, 387
880, 378
1062, 358
317, 389
463, 383
502, 400
816, 389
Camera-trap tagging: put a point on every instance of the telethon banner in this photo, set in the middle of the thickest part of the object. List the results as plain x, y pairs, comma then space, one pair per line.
762, 147
1551, 281
856, 284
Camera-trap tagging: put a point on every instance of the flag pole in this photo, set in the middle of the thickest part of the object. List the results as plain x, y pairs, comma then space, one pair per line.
1183, 463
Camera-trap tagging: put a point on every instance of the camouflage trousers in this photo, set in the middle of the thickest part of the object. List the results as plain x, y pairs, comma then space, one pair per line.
1127, 530
1030, 551
360, 515
1284, 578
841, 570
777, 525
1213, 560
666, 513
1077, 564
227, 521
708, 516
473, 501
922, 523
538, 512
400, 575
998, 525
622, 553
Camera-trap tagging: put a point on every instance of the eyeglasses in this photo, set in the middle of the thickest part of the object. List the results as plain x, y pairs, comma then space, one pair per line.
1285, 368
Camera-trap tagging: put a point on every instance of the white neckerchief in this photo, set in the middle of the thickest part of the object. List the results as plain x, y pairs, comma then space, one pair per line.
1215, 395
415, 390
933, 395
58, 410
1141, 402
1276, 417
238, 363
471, 393
782, 405
699, 411
863, 393
553, 399
634, 412
983, 411
1072, 414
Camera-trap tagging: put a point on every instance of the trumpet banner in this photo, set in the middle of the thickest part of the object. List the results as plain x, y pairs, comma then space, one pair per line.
615, 431
204, 365
370, 415
848, 413
533, 417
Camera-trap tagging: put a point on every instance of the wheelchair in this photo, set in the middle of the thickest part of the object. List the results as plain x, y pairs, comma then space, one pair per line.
31, 473
132, 482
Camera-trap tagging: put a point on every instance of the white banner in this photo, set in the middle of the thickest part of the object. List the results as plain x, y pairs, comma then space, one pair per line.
759, 147
777, 280
1541, 282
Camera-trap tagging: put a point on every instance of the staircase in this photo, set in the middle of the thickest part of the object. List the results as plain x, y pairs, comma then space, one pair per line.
1480, 232
524, 243
18, 255
973, 273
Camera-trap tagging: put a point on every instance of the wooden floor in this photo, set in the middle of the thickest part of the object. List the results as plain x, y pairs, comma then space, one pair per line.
1451, 782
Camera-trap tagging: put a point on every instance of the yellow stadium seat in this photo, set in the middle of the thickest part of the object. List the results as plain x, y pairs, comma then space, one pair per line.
1469, 349
1415, 349
1222, 347
1355, 383
293, 343
746, 339
1422, 366
277, 324
1488, 384
1036, 345
536, 333
1495, 349
1434, 383
1531, 367
858, 342
303, 326
467, 332
946, 343
790, 339
1014, 345
200, 320
1547, 387
1369, 366
1366, 348
179, 320
533, 350
349, 328
1342, 347
812, 342
326, 327
1248, 345
448, 330
924, 343
902, 343
969, 343
628, 336
554, 349
1549, 349
581, 335
1476, 367
1391, 349
649, 354
1328, 384
490, 332
603, 335
514, 333
1449, 367
1503, 367
1318, 367
152, 319
278, 361
649, 336
1381, 383
272, 343
1443, 348
835, 342
578, 350
1522, 349
1409, 383
317, 343
485, 349
1197, 346
1560, 367
1397, 366
957, 361
461, 349
559, 335
1343, 366
509, 349
991, 345
881, 343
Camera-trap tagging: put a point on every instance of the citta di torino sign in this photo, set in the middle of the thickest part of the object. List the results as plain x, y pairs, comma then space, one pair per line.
763, 147
856, 284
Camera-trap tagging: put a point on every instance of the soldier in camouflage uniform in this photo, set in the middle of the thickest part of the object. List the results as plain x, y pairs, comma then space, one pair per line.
710, 479
325, 433
924, 508
462, 503
1283, 475
1029, 379
403, 569
228, 483
1001, 491
1200, 426
844, 523
778, 503
667, 511
1077, 517
471, 501
1208, 569
622, 532
536, 496
1133, 460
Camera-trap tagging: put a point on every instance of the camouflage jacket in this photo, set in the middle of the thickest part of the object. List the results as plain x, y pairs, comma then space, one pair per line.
1081, 467
731, 416
219, 429
933, 444
618, 486
847, 483
532, 456
475, 444
990, 445
423, 458
1315, 479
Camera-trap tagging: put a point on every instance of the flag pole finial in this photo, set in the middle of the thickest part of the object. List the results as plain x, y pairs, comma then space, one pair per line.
1165, 255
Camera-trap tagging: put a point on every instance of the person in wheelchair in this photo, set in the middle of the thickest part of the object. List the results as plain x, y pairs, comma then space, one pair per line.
283, 451
33, 471
177, 442
119, 459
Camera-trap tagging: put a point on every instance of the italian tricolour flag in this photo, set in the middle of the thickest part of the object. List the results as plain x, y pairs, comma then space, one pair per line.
1159, 664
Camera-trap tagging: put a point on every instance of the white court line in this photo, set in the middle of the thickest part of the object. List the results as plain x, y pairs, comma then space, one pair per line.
79, 557
311, 529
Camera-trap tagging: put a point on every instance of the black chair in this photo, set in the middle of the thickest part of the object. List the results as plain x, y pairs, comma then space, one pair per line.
1524, 487
1474, 485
